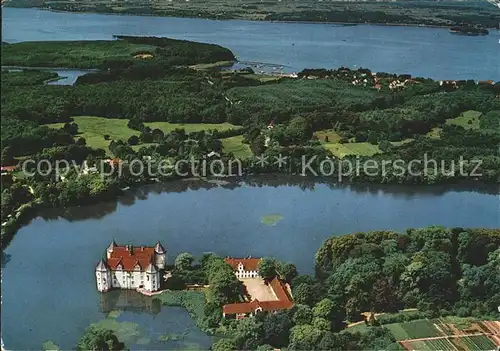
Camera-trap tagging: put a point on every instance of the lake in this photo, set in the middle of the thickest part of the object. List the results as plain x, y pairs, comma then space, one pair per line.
48, 289
67, 76
48, 270
428, 52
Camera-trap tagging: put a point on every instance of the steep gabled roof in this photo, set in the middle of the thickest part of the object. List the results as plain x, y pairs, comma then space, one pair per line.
159, 248
112, 245
129, 257
249, 264
101, 266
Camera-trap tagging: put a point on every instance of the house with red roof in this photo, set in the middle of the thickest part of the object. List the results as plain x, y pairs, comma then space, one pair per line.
131, 267
243, 309
244, 267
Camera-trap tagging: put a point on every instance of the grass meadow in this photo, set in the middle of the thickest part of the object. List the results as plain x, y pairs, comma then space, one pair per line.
467, 120
167, 127
352, 149
236, 146
94, 128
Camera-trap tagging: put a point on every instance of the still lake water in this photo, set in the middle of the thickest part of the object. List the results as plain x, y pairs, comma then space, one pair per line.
48, 289
49, 285
67, 76
427, 52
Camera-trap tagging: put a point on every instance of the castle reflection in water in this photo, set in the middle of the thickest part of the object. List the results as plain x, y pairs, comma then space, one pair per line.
128, 300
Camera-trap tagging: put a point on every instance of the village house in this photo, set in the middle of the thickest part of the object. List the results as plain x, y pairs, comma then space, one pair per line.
131, 267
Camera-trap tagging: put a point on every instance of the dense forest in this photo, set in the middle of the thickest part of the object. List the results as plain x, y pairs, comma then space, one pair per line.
125, 51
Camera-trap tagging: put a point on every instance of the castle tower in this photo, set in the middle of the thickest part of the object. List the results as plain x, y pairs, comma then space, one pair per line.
110, 249
160, 256
152, 282
103, 276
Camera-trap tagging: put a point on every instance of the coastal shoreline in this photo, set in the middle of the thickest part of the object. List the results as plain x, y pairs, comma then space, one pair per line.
31, 210
420, 25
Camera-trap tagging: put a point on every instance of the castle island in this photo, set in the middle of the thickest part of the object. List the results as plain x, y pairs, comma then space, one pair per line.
131, 267
141, 268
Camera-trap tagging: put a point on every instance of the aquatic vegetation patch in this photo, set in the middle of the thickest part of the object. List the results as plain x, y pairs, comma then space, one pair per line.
127, 332
49, 345
271, 220
143, 340
114, 314
192, 346
172, 336
192, 301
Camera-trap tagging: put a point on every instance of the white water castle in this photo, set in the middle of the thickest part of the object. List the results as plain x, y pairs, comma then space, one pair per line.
131, 267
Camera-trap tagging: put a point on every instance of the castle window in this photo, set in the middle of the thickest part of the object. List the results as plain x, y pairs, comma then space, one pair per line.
148, 277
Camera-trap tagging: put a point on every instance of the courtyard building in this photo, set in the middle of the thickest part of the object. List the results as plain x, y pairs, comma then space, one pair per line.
272, 297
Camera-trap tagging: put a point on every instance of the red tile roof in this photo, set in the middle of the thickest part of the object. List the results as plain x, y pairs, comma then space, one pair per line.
142, 256
242, 307
281, 293
284, 301
249, 264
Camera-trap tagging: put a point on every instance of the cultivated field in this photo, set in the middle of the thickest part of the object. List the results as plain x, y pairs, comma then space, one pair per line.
447, 333
471, 343
413, 330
